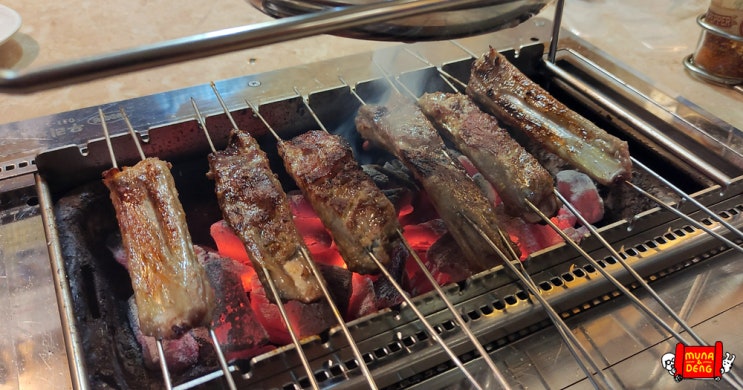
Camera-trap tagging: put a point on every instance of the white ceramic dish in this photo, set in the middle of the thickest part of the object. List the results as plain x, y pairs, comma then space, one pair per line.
10, 23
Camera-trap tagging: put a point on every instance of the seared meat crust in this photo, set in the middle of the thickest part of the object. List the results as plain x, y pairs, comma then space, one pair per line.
517, 101
256, 208
514, 173
171, 289
350, 205
401, 128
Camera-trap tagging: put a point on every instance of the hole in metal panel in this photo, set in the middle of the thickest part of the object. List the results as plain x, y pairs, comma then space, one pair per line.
322, 376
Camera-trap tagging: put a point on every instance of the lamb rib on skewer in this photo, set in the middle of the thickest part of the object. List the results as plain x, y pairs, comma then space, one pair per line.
515, 174
401, 128
171, 289
256, 208
517, 101
350, 205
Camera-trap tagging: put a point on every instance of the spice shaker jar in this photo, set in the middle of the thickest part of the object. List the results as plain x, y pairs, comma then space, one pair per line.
719, 54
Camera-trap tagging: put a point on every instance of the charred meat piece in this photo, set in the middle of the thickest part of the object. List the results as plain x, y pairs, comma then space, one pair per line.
171, 290
257, 209
517, 101
403, 130
354, 210
516, 175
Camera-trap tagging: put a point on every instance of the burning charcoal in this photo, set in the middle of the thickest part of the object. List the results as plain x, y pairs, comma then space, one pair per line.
307, 318
531, 237
363, 299
228, 244
180, 353
582, 193
338, 280
237, 328
396, 186
444, 261
387, 295
421, 238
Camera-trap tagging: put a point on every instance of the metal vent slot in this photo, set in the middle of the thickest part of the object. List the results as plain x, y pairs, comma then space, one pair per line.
17, 167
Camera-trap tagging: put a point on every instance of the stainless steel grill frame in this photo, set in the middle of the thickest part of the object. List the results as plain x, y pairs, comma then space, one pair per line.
658, 245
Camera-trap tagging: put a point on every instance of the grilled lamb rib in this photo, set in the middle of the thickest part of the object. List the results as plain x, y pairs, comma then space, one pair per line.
517, 101
171, 289
355, 211
256, 208
401, 128
516, 175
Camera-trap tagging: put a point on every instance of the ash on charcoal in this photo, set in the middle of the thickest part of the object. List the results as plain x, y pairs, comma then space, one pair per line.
581, 192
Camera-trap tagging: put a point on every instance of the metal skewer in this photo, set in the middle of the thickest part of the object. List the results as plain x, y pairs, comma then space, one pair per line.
572, 342
685, 217
107, 136
218, 350
394, 283
688, 198
629, 269
159, 340
163, 364
323, 284
444, 74
639, 279
431, 331
271, 285
450, 306
607, 275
